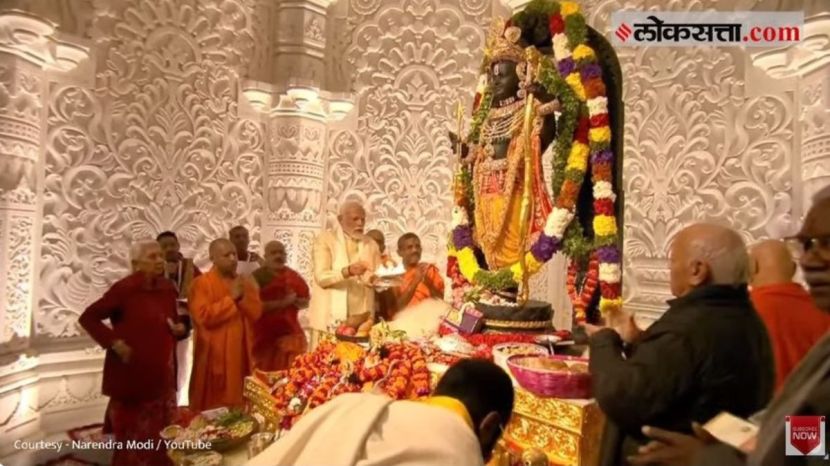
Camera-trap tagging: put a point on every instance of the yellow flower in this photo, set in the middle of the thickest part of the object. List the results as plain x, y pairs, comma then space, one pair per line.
578, 158
532, 265
568, 8
610, 305
605, 225
575, 82
582, 52
602, 134
467, 263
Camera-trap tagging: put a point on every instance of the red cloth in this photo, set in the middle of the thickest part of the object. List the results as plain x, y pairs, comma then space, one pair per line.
793, 321
138, 314
141, 421
278, 335
279, 323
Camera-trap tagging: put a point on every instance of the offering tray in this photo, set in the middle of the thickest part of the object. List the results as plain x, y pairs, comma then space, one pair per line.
218, 430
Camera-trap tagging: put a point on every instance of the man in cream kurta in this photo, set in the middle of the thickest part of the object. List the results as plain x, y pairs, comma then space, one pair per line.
344, 260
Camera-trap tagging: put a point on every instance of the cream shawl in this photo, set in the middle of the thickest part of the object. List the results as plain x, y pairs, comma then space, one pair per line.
371, 430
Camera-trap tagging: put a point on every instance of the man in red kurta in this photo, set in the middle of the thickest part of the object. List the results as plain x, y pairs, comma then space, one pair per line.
421, 281
224, 307
792, 319
139, 367
278, 337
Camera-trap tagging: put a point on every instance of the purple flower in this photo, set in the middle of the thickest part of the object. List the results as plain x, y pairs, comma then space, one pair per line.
603, 156
608, 254
544, 248
462, 237
589, 71
566, 66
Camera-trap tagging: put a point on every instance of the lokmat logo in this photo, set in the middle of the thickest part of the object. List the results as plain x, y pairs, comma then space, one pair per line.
805, 436
718, 28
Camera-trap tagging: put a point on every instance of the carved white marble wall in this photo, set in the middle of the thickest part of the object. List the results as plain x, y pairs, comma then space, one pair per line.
156, 144
32, 52
153, 140
408, 64
21, 88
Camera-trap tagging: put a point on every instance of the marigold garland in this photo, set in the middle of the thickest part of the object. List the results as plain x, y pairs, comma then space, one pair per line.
584, 138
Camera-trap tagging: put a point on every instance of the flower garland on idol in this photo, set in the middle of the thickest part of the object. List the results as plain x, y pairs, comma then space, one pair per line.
584, 135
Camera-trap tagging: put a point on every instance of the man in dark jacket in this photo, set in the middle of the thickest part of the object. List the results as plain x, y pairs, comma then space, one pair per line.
805, 393
708, 353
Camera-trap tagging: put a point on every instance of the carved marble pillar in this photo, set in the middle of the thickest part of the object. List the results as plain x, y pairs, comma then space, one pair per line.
809, 63
293, 183
301, 42
295, 165
29, 50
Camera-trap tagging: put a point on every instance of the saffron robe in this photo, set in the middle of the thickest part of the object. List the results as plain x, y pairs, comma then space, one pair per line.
223, 351
361, 429
433, 275
793, 322
142, 390
278, 336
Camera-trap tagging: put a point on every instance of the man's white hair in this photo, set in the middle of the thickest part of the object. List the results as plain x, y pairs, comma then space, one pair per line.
350, 205
137, 249
728, 261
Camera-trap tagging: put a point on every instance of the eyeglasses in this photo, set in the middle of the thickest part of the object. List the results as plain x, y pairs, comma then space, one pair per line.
801, 245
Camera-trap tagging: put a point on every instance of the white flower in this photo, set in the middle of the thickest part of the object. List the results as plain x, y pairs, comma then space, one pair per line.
610, 273
459, 216
604, 190
561, 47
482, 83
597, 106
558, 220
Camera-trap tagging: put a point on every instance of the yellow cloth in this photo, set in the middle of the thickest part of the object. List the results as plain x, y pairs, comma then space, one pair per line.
452, 405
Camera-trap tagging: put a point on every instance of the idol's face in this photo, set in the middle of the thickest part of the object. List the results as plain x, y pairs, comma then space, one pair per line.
151, 261
504, 80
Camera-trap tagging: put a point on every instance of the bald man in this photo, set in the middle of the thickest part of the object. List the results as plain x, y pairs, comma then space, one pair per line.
793, 320
224, 306
278, 335
709, 352
344, 260
805, 392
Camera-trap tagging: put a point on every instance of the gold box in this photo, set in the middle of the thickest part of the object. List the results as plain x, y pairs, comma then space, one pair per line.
569, 432
261, 402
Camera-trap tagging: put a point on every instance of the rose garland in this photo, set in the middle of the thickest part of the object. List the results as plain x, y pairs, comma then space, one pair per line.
577, 63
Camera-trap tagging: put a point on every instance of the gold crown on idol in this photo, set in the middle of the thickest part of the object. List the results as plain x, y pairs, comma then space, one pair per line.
503, 43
